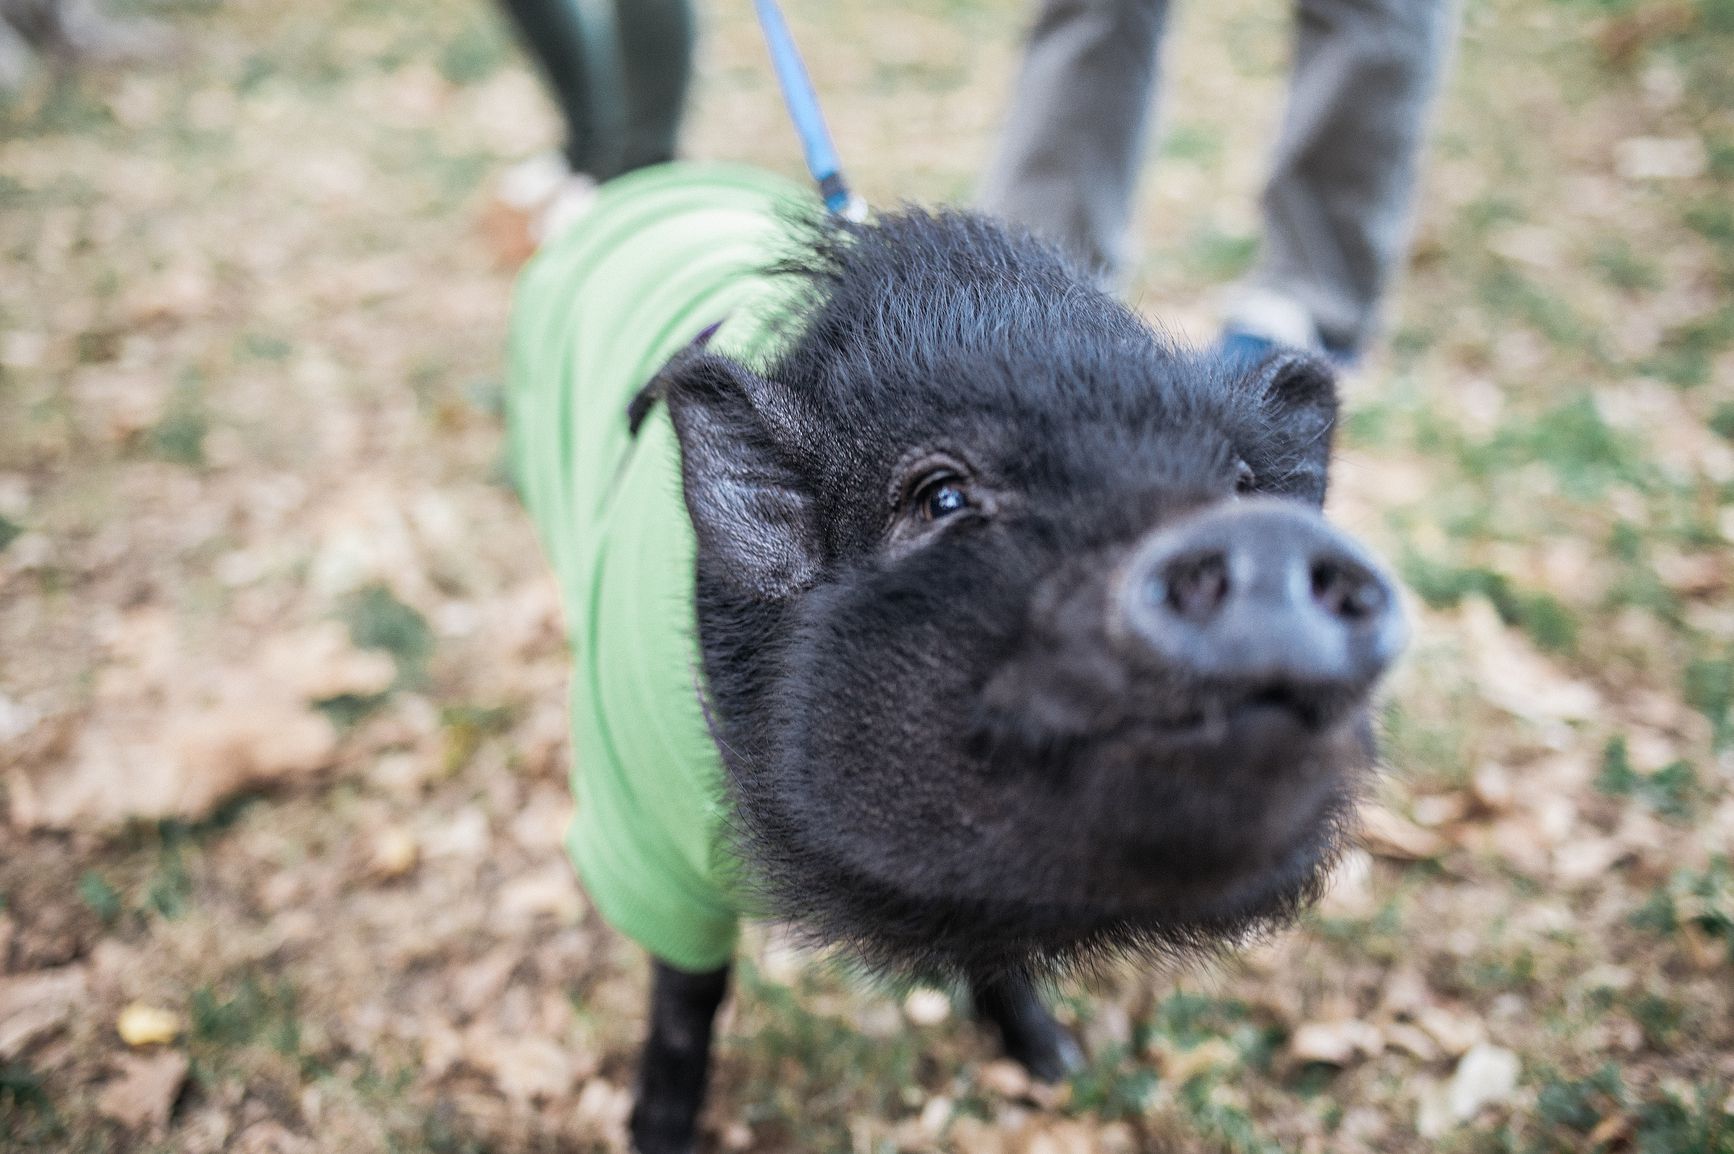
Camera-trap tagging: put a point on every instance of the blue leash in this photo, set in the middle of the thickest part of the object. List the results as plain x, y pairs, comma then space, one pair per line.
803, 105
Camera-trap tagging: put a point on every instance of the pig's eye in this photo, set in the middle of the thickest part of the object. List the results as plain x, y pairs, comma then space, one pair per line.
935, 488
941, 497
1245, 481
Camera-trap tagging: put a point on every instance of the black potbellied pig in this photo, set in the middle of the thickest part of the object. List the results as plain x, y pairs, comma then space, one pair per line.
1022, 638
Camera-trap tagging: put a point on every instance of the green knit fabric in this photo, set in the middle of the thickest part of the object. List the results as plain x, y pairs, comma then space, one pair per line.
664, 253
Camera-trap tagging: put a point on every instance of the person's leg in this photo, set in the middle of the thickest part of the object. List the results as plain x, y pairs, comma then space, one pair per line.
1068, 158
656, 41
576, 54
1338, 206
74, 32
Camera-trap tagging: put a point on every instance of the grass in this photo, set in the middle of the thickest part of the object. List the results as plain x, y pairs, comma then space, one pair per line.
1569, 1111
1673, 790
251, 1011
1544, 430
179, 437
101, 897
1702, 899
809, 1068
1540, 614
26, 1112
377, 619
1709, 687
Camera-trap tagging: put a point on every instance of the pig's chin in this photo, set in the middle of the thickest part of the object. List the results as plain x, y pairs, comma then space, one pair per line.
1163, 837
1217, 820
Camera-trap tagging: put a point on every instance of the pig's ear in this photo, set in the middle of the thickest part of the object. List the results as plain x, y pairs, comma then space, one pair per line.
1299, 394
752, 515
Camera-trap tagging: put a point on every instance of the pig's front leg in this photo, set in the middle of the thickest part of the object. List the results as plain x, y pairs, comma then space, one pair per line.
676, 1060
1031, 1035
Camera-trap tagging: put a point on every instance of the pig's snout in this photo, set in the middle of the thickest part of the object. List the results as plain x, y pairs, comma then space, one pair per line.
1261, 593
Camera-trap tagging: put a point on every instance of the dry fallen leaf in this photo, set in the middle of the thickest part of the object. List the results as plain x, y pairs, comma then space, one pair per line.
1623, 38
1350, 889
551, 891
1005, 1078
604, 1107
145, 760
269, 1137
142, 1025
1485, 1076
1520, 845
16, 720
1405, 991
926, 1007
1181, 1066
117, 403
1533, 245
1412, 1040
1439, 809
477, 985
1336, 1043
1661, 158
525, 1069
1693, 574
934, 1115
1610, 1129
320, 662
1492, 786
1389, 835
1455, 1032
1704, 952
1584, 859
1432, 1112
246, 740
204, 1130
463, 837
1059, 1136
395, 852
35, 1004
23, 350
1510, 674
971, 1135
144, 1095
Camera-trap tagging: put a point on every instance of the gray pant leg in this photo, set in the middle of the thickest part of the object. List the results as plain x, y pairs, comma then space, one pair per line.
656, 43
619, 71
574, 55
1068, 158
1338, 206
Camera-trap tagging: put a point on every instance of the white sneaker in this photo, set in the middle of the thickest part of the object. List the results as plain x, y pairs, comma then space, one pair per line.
572, 200
545, 194
1272, 316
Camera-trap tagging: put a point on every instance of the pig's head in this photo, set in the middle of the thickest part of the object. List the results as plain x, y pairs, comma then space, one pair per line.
1023, 636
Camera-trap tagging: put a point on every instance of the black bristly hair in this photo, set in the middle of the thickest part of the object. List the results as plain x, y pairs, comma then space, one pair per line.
858, 663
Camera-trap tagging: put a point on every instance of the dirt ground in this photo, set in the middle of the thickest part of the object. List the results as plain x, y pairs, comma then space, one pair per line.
282, 743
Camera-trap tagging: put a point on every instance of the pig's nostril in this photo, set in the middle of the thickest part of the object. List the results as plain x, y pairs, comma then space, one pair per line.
1259, 593
1193, 587
1346, 591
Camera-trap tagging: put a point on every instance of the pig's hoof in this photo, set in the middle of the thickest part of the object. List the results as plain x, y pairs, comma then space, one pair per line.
1048, 1052
662, 1126
651, 1140
1032, 1036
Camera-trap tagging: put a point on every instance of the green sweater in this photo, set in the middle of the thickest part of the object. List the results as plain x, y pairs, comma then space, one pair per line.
665, 253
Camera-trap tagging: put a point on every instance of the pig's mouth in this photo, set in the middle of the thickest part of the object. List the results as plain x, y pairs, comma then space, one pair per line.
1279, 709
1152, 834
1231, 804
